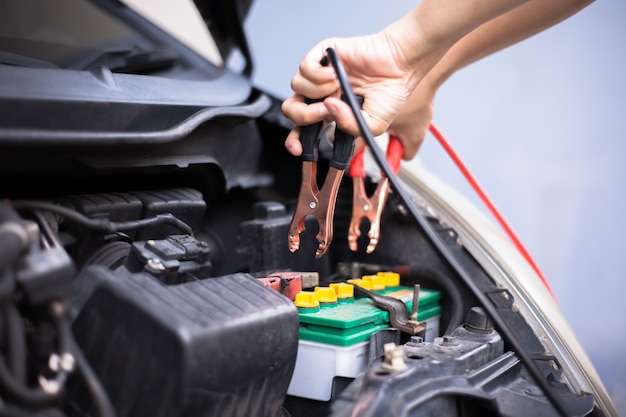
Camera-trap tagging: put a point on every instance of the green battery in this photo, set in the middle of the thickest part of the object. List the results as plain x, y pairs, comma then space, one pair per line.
347, 320
335, 328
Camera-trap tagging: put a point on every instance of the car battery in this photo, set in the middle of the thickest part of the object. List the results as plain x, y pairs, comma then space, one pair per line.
336, 325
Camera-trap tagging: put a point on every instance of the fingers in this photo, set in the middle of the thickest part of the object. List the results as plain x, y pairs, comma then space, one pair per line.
315, 79
301, 113
411, 134
331, 109
292, 142
343, 115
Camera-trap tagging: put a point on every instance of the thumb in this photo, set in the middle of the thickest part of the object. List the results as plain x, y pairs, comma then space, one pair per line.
292, 142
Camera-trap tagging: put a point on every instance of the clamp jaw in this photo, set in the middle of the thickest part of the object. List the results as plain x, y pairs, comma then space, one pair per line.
312, 201
371, 208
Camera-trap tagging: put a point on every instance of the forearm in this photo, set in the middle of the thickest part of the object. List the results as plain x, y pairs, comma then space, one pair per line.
437, 24
505, 30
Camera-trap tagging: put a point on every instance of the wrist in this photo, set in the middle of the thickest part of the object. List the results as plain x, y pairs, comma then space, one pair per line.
417, 47
418, 34
435, 25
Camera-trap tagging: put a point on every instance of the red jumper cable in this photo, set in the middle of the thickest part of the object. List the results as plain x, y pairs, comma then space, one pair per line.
492, 208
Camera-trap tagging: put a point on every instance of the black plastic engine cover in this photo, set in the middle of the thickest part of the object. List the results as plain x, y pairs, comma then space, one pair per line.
216, 347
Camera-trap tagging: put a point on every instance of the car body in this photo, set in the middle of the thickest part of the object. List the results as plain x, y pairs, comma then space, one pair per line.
147, 198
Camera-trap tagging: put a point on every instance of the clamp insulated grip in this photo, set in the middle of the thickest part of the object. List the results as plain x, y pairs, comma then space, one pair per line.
357, 166
395, 151
343, 145
343, 148
310, 137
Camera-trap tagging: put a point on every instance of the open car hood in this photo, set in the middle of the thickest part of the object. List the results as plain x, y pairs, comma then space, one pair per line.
225, 20
127, 83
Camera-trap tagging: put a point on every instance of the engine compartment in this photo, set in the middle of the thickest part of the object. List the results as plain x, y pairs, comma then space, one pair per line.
171, 275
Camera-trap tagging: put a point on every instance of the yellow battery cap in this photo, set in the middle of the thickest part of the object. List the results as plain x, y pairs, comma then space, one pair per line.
306, 299
378, 282
392, 279
325, 295
361, 283
342, 290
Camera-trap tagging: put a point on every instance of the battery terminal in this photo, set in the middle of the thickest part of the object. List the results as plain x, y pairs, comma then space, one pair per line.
307, 302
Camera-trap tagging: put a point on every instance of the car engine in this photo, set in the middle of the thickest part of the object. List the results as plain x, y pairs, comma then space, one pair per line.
167, 289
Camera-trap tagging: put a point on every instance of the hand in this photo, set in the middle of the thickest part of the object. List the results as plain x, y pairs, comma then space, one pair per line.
377, 70
385, 68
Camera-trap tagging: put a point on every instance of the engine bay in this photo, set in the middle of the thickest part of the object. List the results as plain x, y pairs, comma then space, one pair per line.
155, 279
178, 321
156, 259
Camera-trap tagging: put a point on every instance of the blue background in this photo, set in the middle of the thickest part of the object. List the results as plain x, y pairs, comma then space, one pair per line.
542, 127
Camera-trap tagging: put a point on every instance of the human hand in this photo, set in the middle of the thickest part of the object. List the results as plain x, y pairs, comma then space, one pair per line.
383, 68
377, 70
409, 126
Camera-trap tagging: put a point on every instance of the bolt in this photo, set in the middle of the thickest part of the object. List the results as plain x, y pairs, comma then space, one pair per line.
448, 340
417, 339
155, 265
